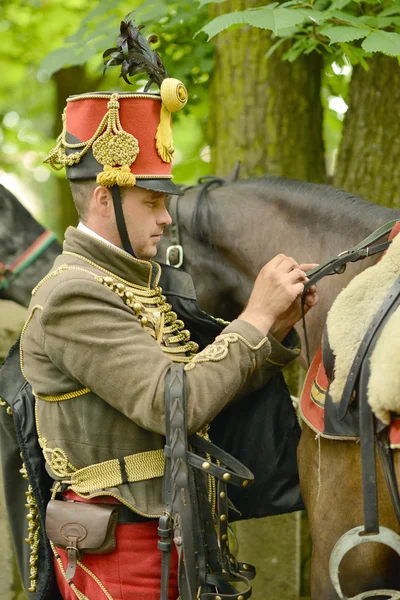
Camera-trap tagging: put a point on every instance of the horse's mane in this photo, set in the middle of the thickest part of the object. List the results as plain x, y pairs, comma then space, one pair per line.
289, 194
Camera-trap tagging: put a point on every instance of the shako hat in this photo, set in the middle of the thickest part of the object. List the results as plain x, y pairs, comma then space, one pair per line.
123, 139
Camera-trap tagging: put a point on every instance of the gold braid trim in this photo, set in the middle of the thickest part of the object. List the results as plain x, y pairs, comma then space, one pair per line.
211, 483
157, 319
21, 354
138, 467
67, 396
57, 459
219, 349
33, 538
111, 146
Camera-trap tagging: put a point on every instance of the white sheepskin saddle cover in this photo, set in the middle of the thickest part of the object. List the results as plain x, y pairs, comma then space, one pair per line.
347, 323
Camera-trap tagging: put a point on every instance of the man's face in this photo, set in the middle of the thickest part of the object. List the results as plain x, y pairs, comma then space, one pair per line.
145, 217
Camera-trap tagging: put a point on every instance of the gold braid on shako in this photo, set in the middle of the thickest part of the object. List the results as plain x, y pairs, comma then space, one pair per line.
112, 146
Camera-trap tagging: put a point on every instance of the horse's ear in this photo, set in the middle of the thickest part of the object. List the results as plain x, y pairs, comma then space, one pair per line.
233, 175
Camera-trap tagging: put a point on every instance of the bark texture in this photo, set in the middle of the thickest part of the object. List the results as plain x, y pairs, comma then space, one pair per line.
369, 158
268, 115
265, 113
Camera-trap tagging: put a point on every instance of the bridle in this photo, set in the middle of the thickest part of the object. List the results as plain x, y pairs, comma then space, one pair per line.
9, 273
174, 255
174, 252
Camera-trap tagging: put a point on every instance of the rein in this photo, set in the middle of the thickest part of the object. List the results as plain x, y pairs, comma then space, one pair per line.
8, 273
336, 265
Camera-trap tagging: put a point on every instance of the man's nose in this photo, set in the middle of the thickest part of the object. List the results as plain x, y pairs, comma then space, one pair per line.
164, 218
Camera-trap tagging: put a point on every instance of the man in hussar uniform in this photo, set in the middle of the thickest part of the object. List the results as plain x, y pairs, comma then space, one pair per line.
101, 335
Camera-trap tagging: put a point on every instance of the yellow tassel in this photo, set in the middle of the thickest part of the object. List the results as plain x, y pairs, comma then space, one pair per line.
173, 97
173, 94
121, 176
164, 143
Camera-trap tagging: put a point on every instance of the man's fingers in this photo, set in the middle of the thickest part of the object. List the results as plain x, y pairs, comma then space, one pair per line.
308, 266
298, 288
297, 275
311, 300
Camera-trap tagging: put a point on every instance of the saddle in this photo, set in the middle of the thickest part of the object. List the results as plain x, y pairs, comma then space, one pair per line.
340, 381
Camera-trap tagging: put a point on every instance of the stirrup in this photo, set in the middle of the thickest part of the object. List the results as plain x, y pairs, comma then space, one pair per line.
351, 539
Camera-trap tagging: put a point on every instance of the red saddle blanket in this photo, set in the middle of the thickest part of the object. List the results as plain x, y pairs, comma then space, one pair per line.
312, 401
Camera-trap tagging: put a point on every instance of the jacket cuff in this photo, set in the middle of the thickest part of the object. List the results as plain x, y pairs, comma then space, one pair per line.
283, 353
253, 338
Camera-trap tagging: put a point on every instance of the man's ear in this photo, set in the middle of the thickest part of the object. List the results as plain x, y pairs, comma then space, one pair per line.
102, 201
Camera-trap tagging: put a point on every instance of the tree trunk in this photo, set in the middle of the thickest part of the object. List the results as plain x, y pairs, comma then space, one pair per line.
265, 113
369, 158
268, 115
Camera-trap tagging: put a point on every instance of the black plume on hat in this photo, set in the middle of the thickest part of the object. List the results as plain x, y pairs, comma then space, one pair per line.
134, 54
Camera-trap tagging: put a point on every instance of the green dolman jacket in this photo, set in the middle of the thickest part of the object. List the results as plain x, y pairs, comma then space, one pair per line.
96, 346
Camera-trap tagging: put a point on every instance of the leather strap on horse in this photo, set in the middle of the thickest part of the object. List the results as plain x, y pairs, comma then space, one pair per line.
40, 245
336, 265
174, 254
206, 570
370, 430
388, 306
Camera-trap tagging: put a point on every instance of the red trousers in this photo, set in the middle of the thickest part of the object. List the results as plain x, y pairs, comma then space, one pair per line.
131, 572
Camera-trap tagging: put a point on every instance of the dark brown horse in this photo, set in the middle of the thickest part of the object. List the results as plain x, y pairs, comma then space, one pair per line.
227, 236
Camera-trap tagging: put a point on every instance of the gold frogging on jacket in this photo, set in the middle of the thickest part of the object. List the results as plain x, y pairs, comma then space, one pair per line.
157, 318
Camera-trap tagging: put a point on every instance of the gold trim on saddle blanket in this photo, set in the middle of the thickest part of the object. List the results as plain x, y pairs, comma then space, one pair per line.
318, 395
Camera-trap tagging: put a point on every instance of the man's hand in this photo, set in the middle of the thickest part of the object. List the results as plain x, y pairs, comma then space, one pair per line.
287, 320
278, 285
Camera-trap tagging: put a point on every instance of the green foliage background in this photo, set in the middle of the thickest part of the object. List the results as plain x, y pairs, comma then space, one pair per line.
39, 38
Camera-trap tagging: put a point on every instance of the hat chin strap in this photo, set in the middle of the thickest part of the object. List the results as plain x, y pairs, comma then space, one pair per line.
119, 216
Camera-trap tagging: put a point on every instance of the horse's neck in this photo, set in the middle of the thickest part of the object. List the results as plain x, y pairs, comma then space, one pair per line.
250, 226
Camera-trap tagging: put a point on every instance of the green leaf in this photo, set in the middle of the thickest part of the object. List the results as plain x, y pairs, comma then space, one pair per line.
392, 10
339, 4
223, 22
346, 17
343, 33
317, 16
203, 2
296, 50
275, 18
275, 47
383, 41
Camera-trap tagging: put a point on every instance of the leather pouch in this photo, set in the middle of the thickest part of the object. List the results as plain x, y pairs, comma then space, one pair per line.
79, 528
